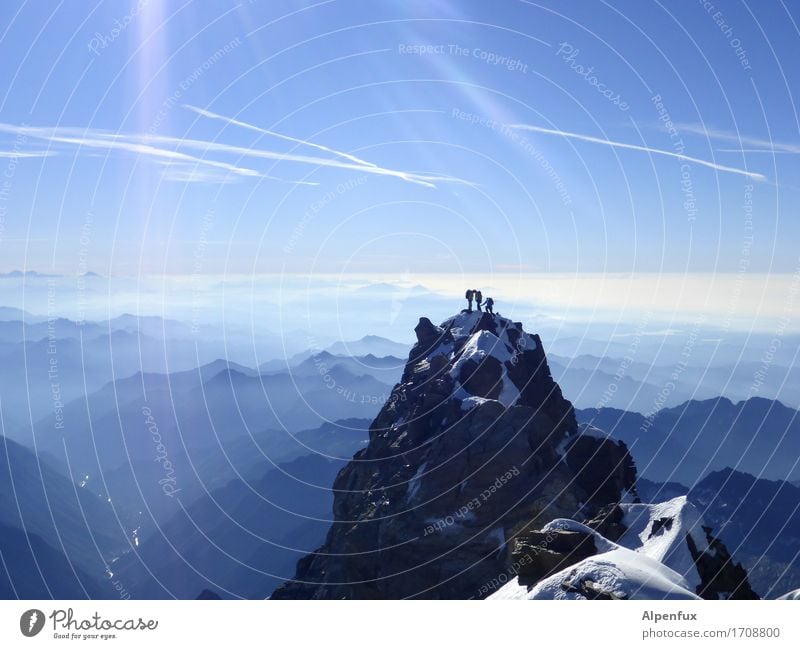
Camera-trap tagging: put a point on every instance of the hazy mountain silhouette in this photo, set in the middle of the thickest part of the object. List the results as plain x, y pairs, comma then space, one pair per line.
685, 443
240, 540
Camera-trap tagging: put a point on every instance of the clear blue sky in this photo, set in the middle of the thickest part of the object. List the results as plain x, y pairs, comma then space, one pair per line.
354, 149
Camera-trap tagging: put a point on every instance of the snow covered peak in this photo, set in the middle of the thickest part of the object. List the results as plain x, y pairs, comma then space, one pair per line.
465, 324
488, 357
485, 343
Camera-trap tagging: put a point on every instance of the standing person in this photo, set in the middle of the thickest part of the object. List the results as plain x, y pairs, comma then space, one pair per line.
489, 304
469, 294
478, 299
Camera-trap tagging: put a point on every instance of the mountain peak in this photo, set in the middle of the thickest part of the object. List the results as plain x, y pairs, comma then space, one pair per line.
475, 444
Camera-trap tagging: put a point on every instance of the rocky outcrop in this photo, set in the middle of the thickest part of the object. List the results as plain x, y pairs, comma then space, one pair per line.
720, 576
475, 446
627, 551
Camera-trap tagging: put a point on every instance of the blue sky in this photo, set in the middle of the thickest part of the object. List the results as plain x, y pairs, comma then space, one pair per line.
399, 137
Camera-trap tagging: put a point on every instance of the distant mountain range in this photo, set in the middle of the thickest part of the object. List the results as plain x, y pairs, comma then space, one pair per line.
686, 443
253, 534
249, 454
594, 381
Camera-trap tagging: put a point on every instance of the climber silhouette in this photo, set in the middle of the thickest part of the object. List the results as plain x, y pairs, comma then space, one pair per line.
469, 295
478, 299
489, 304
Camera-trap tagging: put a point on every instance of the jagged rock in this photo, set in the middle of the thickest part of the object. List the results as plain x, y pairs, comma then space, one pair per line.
482, 379
609, 522
721, 577
466, 454
540, 554
603, 466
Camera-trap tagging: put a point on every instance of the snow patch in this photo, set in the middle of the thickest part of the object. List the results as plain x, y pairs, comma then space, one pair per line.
414, 483
660, 531
468, 403
621, 573
587, 430
793, 594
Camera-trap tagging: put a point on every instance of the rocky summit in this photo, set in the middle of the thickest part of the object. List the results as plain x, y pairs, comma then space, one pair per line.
475, 447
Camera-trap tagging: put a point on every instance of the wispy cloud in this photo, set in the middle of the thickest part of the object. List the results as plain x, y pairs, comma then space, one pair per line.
770, 151
192, 173
636, 147
165, 147
26, 154
353, 162
747, 143
139, 145
264, 131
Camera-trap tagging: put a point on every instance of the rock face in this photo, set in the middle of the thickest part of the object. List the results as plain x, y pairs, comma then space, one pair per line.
475, 445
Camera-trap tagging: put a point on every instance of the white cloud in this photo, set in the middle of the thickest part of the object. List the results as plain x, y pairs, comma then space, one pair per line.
154, 146
263, 131
98, 139
26, 154
636, 147
747, 144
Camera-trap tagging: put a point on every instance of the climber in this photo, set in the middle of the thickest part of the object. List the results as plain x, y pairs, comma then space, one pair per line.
478, 299
489, 304
469, 295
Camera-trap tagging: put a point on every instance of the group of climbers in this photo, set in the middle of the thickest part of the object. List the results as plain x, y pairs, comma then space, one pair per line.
476, 295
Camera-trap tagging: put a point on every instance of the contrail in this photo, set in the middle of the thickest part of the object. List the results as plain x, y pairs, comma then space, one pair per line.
770, 151
152, 146
636, 147
756, 144
363, 165
289, 138
165, 154
25, 154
